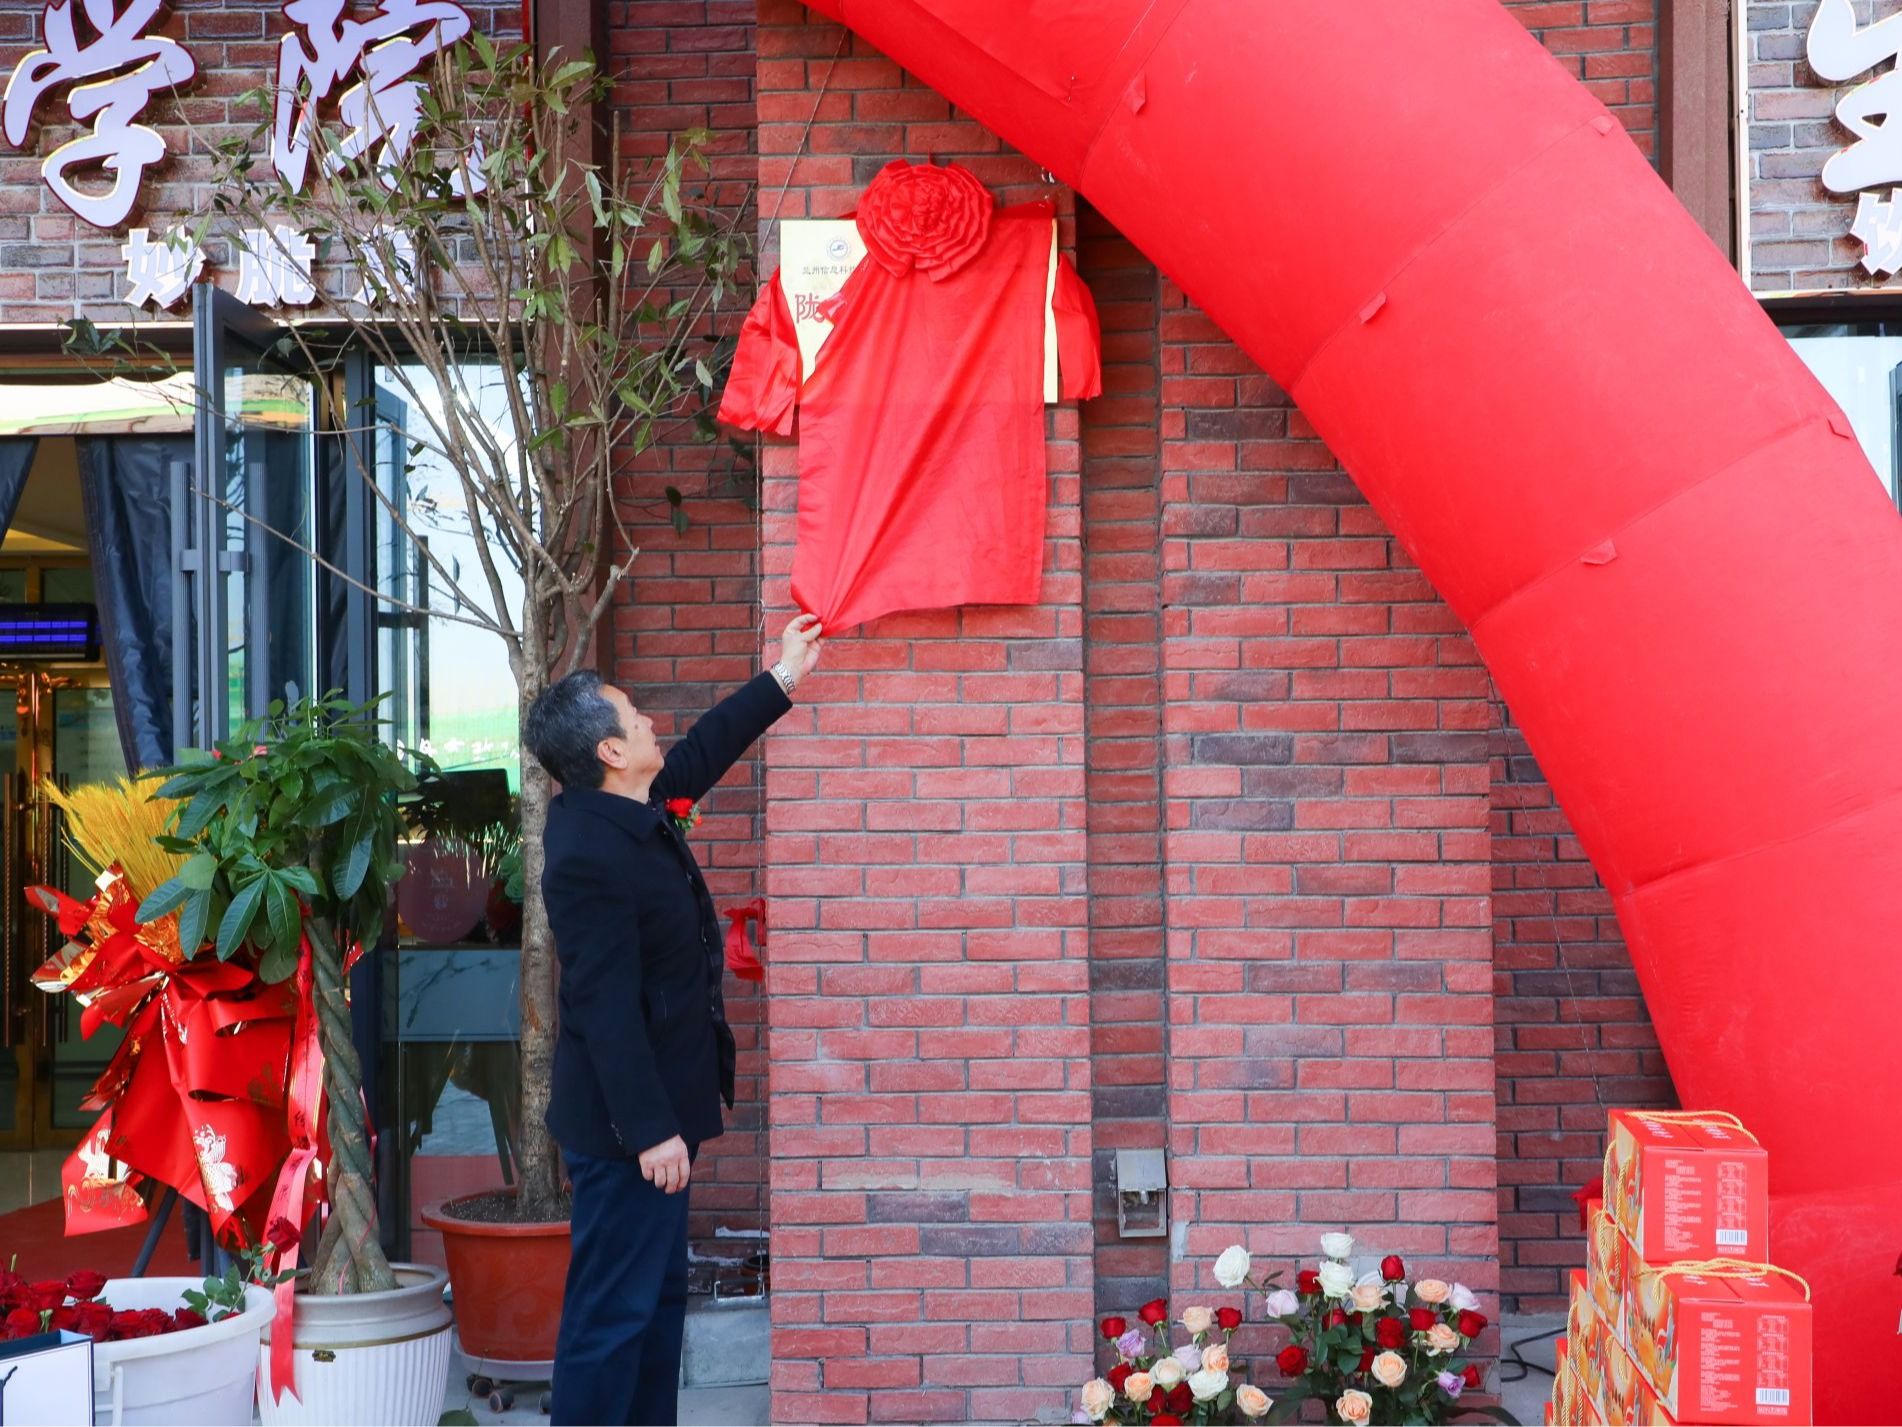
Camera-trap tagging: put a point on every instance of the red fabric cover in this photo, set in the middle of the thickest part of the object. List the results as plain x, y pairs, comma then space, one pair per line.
921, 430
1660, 530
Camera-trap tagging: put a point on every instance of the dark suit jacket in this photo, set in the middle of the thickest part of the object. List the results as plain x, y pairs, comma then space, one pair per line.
643, 1052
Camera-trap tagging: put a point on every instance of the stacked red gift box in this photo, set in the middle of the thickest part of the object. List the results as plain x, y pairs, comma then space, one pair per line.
1679, 1316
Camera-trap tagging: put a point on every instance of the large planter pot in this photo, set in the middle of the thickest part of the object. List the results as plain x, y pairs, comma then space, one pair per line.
507, 1281
204, 1375
364, 1359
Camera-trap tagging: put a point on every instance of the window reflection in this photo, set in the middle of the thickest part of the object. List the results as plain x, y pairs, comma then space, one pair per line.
450, 987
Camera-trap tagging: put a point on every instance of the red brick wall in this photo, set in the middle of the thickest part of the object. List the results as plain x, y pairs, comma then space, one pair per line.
688, 627
1122, 654
1573, 1038
1330, 992
926, 859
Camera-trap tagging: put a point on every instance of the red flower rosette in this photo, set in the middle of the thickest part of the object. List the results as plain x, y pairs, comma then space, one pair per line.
925, 217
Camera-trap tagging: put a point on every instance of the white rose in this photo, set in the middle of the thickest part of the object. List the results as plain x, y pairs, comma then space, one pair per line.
1232, 1267
1098, 1398
1460, 1298
1391, 1369
1208, 1384
1197, 1320
1167, 1372
1337, 1279
1337, 1246
1283, 1304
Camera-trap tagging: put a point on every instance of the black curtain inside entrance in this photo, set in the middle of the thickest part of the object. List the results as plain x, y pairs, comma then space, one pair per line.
16, 459
125, 485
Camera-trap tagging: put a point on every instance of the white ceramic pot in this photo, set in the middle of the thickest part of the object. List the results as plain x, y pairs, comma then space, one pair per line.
364, 1359
206, 1375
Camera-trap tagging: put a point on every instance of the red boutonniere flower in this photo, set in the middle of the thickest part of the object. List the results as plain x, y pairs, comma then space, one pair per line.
925, 217
685, 812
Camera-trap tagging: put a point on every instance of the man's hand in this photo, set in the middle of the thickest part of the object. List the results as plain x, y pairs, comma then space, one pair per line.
800, 645
666, 1165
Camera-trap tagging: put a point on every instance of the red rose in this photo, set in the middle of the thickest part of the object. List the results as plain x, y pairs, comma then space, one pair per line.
1472, 1375
1422, 1319
1335, 1317
95, 1319
1118, 1375
1155, 1311
1179, 1400
185, 1318
926, 217
46, 1294
1168, 1418
1391, 1333
1158, 1401
1392, 1269
126, 1324
1229, 1319
85, 1284
1292, 1360
282, 1234
1366, 1359
1469, 1323
1307, 1281
64, 1319
22, 1322
679, 807
1114, 1328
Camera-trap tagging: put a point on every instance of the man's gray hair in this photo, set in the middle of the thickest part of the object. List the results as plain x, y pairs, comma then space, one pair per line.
565, 726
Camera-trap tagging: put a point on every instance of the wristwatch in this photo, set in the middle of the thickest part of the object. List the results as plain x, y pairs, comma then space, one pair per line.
783, 676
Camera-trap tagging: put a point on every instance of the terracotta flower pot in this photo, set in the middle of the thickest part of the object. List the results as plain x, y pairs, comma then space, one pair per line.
507, 1281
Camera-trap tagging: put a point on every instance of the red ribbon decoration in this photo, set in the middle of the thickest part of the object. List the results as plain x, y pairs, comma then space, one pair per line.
288, 1210
740, 959
205, 1116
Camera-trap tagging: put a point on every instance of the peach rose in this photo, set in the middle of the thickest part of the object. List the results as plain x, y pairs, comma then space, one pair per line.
1369, 1296
1098, 1398
1354, 1406
1215, 1357
1138, 1386
1390, 1369
1432, 1290
1197, 1320
1252, 1400
1442, 1338
1167, 1372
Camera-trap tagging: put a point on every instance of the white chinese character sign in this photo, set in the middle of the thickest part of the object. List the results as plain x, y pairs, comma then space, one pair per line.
111, 71
160, 270
1840, 48
274, 267
380, 110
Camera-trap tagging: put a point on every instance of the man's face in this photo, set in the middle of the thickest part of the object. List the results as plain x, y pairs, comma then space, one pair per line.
637, 752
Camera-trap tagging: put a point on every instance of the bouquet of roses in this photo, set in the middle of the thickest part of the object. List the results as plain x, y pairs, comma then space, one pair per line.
1160, 1383
1372, 1348
74, 1303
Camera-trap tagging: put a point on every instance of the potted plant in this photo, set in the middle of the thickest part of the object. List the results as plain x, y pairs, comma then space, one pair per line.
166, 1350
288, 837
498, 236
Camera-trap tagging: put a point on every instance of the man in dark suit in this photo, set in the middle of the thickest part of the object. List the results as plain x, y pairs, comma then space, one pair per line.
644, 1056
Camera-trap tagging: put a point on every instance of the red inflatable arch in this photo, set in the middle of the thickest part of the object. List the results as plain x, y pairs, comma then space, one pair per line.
1669, 547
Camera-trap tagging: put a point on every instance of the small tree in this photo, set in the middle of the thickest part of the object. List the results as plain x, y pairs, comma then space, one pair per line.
591, 289
288, 830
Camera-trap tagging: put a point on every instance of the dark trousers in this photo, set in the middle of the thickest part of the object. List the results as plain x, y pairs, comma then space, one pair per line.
617, 1358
